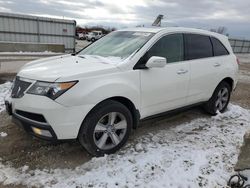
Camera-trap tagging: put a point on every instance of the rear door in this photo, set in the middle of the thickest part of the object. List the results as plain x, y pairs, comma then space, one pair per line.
165, 88
203, 67
222, 64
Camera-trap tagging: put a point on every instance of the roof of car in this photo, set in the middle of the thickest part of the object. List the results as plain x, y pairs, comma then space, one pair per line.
144, 29
172, 29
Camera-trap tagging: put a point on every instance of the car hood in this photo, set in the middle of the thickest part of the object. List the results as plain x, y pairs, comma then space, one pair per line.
68, 67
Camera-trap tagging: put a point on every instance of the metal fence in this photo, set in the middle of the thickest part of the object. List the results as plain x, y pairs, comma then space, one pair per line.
33, 29
240, 46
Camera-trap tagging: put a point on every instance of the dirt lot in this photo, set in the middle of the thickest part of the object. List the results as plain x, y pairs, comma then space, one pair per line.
19, 149
241, 95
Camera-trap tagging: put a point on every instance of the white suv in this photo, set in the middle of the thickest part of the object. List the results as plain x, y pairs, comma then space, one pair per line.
99, 94
93, 36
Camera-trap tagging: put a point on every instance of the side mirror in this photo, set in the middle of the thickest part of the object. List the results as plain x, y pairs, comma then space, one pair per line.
156, 61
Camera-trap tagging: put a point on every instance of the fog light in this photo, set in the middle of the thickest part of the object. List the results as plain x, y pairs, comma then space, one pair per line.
37, 131
41, 132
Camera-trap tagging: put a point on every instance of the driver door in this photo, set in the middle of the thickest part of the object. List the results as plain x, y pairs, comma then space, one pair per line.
165, 88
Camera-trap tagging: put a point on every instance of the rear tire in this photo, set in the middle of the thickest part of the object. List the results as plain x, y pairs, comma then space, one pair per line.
219, 100
106, 128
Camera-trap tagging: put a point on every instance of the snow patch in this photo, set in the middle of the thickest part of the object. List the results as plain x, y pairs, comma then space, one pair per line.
244, 76
246, 173
200, 153
3, 134
105, 60
4, 93
138, 147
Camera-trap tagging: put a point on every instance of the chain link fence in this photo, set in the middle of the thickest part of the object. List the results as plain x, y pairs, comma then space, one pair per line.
240, 46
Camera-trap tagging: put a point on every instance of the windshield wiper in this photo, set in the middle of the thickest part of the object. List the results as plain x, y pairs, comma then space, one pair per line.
81, 56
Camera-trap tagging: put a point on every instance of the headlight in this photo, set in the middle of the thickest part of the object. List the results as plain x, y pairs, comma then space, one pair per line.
51, 90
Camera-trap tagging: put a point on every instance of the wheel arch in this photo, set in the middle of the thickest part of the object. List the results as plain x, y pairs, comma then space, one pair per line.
126, 102
130, 105
209, 105
228, 80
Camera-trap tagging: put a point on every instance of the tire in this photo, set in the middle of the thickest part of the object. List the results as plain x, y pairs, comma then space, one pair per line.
219, 100
93, 39
103, 131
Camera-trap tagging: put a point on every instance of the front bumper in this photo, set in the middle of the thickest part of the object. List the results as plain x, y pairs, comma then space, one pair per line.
35, 128
59, 121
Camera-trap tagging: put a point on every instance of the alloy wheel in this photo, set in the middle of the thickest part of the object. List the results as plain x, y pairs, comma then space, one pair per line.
110, 130
222, 99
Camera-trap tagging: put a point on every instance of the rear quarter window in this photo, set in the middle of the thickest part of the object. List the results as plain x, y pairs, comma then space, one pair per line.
219, 48
197, 46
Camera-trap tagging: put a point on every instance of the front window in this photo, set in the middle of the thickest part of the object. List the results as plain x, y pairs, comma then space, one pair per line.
170, 47
118, 44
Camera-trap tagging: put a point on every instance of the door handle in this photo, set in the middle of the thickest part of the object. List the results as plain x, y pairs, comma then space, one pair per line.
217, 64
182, 71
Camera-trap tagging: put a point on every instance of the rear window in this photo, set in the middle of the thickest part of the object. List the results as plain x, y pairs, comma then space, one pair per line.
197, 46
219, 48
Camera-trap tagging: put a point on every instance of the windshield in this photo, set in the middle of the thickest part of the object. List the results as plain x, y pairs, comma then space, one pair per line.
118, 44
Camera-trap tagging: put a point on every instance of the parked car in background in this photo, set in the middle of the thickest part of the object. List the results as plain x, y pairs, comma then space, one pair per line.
82, 36
94, 35
101, 93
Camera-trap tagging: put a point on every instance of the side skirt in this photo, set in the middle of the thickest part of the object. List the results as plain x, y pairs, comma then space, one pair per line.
171, 112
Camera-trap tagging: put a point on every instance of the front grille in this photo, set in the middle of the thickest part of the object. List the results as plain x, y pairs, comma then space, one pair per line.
32, 116
19, 88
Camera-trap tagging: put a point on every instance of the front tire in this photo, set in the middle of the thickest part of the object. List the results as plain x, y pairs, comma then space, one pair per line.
106, 128
220, 99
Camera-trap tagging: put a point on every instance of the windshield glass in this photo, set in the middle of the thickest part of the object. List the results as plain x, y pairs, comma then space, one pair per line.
118, 44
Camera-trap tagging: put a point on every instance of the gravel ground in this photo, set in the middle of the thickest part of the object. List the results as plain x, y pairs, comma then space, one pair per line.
241, 95
19, 150
201, 152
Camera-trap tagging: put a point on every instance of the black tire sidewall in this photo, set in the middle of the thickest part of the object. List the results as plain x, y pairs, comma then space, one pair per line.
210, 106
87, 129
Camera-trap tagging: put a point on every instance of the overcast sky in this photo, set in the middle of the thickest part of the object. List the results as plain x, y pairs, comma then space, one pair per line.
235, 15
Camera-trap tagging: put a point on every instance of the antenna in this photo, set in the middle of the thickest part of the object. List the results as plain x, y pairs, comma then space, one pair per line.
157, 21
